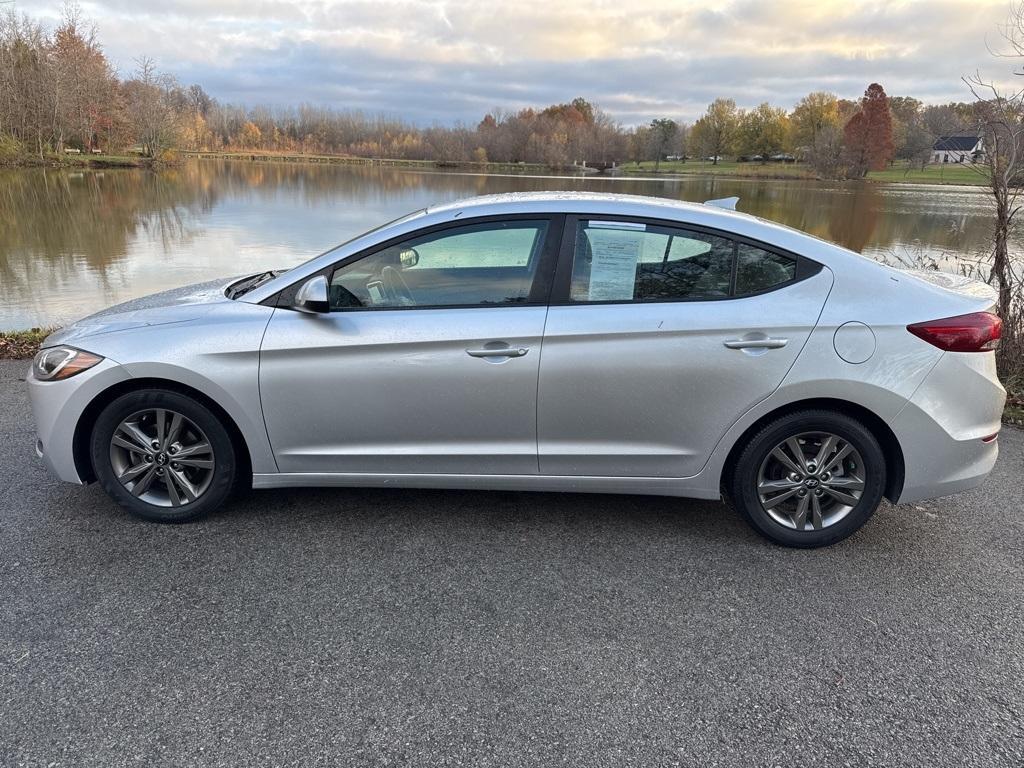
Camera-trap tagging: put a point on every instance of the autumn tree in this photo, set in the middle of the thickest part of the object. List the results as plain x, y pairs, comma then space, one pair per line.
868, 134
763, 131
714, 132
814, 114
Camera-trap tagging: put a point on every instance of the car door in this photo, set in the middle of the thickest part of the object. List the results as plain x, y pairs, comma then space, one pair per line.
427, 361
659, 336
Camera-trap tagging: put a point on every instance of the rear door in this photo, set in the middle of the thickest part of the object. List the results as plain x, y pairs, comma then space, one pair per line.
658, 338
427, 362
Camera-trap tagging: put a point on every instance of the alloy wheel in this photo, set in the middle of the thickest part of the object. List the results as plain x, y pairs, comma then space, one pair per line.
162, 457
811, 481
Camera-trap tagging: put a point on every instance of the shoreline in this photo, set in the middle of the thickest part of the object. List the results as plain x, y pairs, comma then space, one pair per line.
932, 175
948, 175
76, 161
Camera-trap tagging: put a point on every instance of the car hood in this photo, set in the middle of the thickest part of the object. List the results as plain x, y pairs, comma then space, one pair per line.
173, 306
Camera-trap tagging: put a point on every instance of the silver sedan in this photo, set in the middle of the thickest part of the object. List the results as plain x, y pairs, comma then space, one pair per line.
557, 342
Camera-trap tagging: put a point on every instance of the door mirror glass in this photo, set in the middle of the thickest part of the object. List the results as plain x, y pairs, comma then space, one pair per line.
313, 296
410, 257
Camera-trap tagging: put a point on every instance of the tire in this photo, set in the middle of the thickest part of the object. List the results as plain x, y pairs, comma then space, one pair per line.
162, 489
770, 493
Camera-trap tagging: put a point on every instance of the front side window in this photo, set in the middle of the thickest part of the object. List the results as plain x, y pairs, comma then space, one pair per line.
626, 261
491, 263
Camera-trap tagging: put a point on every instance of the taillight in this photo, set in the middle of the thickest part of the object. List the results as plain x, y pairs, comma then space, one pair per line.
976, 332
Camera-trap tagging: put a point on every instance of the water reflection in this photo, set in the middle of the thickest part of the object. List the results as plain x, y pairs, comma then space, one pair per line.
73, 242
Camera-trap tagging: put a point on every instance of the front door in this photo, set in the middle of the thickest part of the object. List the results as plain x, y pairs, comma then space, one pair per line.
662, 338
427, 362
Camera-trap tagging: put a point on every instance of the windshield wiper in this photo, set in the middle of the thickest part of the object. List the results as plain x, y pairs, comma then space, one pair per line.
243, 287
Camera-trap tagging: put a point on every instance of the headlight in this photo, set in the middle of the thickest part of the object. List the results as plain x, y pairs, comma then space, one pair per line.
58, 363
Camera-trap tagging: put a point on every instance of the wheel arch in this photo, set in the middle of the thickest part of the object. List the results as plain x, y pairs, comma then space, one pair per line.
894, 460
83, 429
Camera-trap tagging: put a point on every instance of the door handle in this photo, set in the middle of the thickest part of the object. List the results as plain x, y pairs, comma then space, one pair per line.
500, 352
756, 343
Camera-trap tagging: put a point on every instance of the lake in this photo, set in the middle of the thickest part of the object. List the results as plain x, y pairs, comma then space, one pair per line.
72, 242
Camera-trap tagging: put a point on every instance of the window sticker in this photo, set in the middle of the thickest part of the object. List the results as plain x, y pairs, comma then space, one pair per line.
615, 251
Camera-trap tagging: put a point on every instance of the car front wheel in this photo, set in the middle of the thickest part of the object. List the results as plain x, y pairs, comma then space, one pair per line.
809, 479
163, 456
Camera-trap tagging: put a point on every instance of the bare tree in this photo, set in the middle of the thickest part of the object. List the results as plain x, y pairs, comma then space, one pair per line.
151, 108
1000, 114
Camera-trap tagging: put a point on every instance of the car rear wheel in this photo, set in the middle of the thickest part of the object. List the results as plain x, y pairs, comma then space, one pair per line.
163, 456
809, 479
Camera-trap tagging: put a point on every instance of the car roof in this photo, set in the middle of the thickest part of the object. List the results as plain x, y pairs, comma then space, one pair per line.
612, 204
569, 202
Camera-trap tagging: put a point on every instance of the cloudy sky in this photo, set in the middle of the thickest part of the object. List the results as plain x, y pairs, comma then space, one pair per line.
457, 59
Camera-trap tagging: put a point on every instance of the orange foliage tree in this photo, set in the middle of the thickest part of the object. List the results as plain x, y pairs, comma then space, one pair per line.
868, 134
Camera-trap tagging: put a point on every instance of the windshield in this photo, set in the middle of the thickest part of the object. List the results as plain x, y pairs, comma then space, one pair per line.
369, 232
252, 282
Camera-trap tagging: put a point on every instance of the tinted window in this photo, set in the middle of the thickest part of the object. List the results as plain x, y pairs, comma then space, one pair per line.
619, 261
491, 263
758, 270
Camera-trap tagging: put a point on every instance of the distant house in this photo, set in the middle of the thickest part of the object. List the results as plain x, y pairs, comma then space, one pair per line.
957, 149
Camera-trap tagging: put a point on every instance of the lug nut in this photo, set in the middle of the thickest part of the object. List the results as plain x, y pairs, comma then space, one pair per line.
794, 477
175, 465
149, 457
173, 449
817, 492
802, 493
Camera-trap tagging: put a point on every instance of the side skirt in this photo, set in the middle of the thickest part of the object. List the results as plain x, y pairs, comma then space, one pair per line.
651, 486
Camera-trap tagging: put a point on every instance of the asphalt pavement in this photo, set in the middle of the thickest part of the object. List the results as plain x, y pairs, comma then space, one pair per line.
435, 628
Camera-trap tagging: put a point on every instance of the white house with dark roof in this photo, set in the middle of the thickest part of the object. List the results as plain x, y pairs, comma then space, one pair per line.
965, 148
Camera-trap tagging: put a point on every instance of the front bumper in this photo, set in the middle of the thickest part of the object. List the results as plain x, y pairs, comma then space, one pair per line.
58, 407
946, 427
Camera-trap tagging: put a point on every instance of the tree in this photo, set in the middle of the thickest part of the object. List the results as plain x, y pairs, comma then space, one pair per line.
868, 134
714, 132
1000, 117
639, 141
151, 109
814, 113
825, 155
663, 134
763, 131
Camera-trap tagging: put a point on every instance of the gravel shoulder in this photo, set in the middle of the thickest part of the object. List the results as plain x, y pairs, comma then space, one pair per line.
378, 627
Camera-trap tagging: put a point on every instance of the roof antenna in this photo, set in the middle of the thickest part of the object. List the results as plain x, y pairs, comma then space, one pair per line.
728, 203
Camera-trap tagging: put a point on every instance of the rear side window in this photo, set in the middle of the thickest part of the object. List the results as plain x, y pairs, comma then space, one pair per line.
623, 261
760, 270
630, 261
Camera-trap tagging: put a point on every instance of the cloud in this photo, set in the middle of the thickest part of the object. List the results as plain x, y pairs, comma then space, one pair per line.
454, 60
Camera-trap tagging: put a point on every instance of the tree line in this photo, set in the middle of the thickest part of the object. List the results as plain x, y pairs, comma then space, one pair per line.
59, 91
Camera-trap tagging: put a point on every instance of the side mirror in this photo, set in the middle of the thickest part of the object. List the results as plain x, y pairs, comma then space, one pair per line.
410, 257
313, 296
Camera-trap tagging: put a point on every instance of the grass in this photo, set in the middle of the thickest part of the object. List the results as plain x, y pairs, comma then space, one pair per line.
898, 173
939, 173
22, 345
724, 168
53, 160
299, 157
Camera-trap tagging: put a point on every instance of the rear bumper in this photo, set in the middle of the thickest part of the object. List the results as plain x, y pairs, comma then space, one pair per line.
58, 406
944, 426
